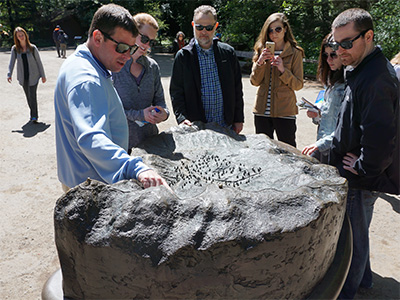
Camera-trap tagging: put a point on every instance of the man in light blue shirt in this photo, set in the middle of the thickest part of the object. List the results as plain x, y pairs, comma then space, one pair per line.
91, 127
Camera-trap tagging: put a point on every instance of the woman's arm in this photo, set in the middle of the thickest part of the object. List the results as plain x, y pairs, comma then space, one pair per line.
293, 76
12, 63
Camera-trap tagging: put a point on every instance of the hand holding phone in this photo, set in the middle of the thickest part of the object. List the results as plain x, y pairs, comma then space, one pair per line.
270, 46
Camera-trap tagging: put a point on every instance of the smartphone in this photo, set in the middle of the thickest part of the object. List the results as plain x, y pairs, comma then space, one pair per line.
271, 46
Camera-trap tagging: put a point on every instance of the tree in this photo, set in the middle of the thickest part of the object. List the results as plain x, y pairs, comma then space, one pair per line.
240, 20
386, 14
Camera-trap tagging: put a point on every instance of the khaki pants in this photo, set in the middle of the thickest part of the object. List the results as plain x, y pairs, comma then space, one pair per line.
63, 50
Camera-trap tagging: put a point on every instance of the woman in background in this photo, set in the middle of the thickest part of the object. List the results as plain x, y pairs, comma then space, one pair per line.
29, 69
139, 85
330, 74
179, 42
277, 75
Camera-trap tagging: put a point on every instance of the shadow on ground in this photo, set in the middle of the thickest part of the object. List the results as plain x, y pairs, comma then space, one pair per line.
31, 129
394, 201
384, 288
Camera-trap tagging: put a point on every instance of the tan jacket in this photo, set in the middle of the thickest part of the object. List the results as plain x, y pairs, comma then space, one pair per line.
283, 98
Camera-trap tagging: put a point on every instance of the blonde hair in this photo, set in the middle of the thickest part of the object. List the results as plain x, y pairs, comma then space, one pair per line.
264, 36
18, 43
143, 18
396, 59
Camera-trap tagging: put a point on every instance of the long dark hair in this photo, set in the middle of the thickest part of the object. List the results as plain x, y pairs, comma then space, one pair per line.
264, 36
324, 73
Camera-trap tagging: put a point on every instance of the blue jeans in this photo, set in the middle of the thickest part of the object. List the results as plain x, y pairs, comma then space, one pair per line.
360, 206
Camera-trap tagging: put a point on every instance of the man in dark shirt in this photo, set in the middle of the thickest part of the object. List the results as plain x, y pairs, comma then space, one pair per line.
56, 32
206, 81
365, 147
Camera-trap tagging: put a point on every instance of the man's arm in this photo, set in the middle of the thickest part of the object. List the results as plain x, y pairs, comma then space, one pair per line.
238, 118
91, 127
378, 128
177, 89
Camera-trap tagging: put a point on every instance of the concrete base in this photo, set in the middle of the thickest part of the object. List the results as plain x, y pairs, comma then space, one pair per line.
52, 289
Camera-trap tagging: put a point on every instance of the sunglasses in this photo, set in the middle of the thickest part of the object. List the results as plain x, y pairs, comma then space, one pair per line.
201, 27
277, 29
145, 39
346, 44
121, 47
333, 55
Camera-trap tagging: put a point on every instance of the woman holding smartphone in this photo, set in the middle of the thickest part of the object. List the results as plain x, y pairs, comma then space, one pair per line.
330, 74
278, 74
139, 85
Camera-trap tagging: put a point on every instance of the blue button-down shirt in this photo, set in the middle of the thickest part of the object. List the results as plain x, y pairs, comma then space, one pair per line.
211, 92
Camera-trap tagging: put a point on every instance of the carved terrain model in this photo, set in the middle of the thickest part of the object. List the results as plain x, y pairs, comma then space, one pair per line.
249, 218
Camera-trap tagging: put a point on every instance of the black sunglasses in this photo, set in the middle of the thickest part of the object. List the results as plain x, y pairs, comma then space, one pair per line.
277, 29
333, 55
145, 39
121, 47
346, 44
201, 27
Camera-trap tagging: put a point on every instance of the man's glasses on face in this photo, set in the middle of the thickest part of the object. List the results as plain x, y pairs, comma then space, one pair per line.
145, 39
201, 27
347, 44
121, 47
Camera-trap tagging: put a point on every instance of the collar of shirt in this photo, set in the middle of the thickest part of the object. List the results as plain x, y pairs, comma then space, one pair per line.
204, 51
107, 73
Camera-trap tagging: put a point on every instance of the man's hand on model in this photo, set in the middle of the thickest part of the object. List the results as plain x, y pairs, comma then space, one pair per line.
237, 127
151, 178
187, 122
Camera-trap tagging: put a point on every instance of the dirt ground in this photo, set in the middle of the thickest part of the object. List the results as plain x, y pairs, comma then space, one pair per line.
29, 187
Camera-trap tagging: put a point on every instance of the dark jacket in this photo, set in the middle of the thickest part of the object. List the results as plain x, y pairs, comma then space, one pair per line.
368, 126
62, 37
185, 87
55, 36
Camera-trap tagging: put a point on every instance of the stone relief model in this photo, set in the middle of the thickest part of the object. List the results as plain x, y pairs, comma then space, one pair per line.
248, 218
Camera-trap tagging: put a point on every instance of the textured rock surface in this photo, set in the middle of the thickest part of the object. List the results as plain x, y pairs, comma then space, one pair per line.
250, 218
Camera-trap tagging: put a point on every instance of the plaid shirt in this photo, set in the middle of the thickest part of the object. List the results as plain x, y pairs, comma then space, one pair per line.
211, 92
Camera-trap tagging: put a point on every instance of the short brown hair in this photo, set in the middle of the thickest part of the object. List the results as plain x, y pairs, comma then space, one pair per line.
361, 18
110, 16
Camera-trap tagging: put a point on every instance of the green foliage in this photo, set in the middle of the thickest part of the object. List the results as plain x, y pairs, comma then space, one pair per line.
240, 20
386, 14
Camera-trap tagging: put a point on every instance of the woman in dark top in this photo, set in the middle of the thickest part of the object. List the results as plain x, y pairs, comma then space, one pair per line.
179, 42
29, 69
